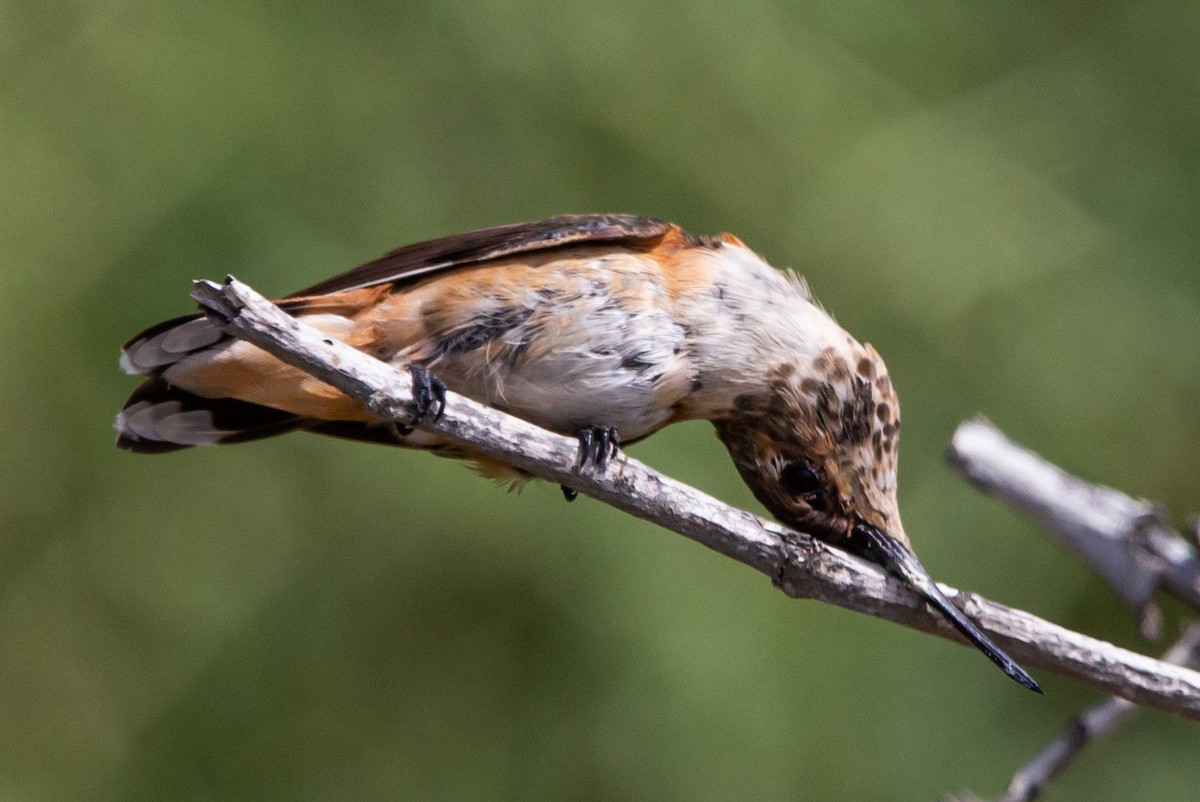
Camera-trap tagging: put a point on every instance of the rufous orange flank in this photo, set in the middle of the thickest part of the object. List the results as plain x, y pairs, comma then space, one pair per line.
600, 326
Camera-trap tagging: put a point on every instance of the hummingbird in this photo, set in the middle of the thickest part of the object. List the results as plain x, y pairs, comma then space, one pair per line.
605, 327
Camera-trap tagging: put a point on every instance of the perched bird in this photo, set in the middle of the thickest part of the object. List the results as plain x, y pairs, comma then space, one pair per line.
599, 326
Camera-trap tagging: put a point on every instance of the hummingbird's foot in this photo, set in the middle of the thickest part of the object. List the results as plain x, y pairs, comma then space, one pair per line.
597, 445
429, 397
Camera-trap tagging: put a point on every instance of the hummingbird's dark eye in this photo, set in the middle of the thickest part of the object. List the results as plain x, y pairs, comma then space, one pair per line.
800, 480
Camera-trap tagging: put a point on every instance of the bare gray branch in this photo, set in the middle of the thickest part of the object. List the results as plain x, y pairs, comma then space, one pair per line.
1127, 541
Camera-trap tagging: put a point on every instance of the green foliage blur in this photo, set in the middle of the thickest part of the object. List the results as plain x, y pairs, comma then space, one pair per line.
1001, 197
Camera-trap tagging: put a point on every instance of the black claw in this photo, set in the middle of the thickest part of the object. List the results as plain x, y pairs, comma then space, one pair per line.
597, 445
598, 451
429, 394
570, 494
585, 437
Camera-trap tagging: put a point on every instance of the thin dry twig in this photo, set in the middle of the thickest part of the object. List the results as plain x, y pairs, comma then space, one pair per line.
1093, 723
801, 566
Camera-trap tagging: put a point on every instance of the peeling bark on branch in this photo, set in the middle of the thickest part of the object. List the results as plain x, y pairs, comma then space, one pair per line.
801, 566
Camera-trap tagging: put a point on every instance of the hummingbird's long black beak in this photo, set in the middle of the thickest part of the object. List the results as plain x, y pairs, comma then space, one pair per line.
871, 543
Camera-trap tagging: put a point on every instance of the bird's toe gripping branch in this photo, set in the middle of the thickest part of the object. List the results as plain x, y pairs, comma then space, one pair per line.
429, 397
597, 445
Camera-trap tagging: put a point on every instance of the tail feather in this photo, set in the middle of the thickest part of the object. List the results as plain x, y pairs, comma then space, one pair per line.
382, 434
162, 416
159, 417
161, 346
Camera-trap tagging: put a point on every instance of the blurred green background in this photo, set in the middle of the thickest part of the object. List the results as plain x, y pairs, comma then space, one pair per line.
1001, 197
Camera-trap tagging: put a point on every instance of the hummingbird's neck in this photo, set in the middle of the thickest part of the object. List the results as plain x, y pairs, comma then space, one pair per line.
750, 323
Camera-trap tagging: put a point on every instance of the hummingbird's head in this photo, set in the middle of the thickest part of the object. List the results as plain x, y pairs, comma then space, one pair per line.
818, 445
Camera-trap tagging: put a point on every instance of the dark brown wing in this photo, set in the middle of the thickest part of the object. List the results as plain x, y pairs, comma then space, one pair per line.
412, 262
